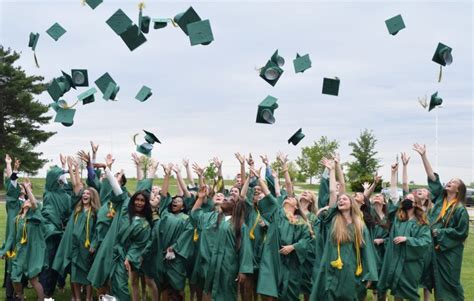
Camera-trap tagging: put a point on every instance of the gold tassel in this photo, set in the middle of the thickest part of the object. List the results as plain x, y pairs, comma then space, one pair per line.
252, 231
338, 262
440, 73
11, 254
83, 2
36, 59
87, 244
141, 5
359, 262
173, 22
24, 235
196, 235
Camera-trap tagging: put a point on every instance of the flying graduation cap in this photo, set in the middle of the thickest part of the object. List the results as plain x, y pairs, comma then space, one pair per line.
272, 71
443, 57
435, 101
266, 110
297, 137
146, 147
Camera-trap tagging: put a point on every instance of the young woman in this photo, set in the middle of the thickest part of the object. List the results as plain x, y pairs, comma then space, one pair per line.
74, 252
405, 247
284, 248
449, 223
225, 253
348, 263
29, 246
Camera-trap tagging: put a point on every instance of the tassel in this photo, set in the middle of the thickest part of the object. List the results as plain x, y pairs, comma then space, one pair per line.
141, 5
440, 73
87, 244
196, 235
338, 262
359, 261
11, 254
24, 236
359, 270
252, 231
36, 59
173, 22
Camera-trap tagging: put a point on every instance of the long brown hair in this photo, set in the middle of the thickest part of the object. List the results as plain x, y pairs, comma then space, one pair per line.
460, 199
419, 213
94, 201
340, 231
238, 219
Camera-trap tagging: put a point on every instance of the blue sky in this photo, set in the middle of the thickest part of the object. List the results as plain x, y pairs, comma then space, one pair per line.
205, 97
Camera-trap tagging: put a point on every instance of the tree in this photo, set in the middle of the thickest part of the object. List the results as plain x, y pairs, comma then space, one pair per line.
363, 150
20, 115
292, 169
309, 162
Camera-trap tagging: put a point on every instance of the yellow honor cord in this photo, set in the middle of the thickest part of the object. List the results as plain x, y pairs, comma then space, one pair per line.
359, 261
87, 244
444, 209
24, 235
338, 262
252, 231
141, 5
11, 254
196, 235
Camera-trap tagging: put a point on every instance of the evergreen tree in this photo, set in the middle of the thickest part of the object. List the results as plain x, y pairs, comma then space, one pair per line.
363, 150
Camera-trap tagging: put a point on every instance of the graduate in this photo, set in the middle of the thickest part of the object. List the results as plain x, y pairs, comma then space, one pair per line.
74, 253
285, 245
28, 245
405, 247
348, 263
449, 223
225, 253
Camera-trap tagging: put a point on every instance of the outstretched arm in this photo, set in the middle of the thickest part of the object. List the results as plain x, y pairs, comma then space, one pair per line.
181, 182
284, 163
331, 166
71, 174
200, 172
421, 149
405, 160
29, 192
8, 166
166, 180
220, 179
368, 192
94, 147
136, 161
393, 183
242, 166
340, 173
152, 168
117, 190
276, 183
189, 174
261, 182
201, 197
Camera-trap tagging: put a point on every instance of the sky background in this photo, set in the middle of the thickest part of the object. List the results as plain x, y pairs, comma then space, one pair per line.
205, 98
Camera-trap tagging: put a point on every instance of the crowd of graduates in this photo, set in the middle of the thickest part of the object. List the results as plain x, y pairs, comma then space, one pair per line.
254, 239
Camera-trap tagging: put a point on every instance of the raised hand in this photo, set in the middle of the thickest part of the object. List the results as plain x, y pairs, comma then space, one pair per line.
217, 162
250, 161
329, 164
366, 185
94, 147
394, 167
109, 160
186, 163
336, 157
17, 164
27, 184
377, 178
275, 174
8, 159
405, 159
240, 158
421, 149
255, 173
62, 159
135, 159
264, 159
84, 156
197, 169
282, 158
153, 167
167, 169
202, 193
70, 163
176, 169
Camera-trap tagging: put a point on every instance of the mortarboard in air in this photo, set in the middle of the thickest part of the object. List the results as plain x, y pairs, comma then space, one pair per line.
59, 86
301, 63
266, 110
443, 57
87, 96
185, 18
68, 79
277, 59
107, 86
143, 94
271, 73
297, 137
159, 23
93, 3
56, 31
145, 149
33, 40
119, 22
200, 33
79, 77
435, 101
331, 86
150, 137
133, 37
395, 24
143, 21
58, 104
65, 116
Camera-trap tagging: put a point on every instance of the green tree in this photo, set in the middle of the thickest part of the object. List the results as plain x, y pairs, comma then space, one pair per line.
292, 169
363, 150
210, 172
21, 116
310, 157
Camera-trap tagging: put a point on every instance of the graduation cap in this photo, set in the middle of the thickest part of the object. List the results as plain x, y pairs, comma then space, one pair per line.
65, 116
93, 3
107, 86
56, 31
277, 59
331, 86
266, 110
145, 149
133, 37
200, 33
119, 22
143, 21
271, 73
435, 101
185, 18
395, 24
79, 77
301, 63
34, 37
59, 86
297, 137
58, 104
87, 96
143, 94
443, 57
159, 23
150, 137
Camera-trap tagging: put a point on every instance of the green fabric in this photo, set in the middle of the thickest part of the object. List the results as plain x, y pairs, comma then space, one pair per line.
334, 284
308, 265
13, 205
29, 259
403, 263
150, 256
218, 259
280, 275
252, 220
72, 254
323, 194
380, 231
144, 185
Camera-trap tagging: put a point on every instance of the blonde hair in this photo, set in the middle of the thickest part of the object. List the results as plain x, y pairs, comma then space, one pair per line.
94, 202
340, 230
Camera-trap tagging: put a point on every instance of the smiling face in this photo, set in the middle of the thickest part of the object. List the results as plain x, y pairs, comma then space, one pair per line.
344, 203
359, 197
227, 205
453, 185
139, 203
378, 199
155, 190
155, 200
177, 205
86, 197
234, 193
218, 198
290, 205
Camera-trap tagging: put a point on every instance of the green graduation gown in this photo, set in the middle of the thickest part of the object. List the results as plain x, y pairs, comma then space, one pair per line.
403, 263
280, 275
29, 259
218, 259
343, 284
448, 245
308, 265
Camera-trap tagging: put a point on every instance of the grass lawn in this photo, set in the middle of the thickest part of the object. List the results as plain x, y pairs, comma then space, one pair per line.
467, 271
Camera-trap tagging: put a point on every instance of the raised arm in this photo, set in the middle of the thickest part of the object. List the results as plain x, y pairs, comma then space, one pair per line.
405, 160
166, 180
136, 161
95, 148
371, 188
261, 182
200, 172
331, 166
220, 179
242, 166
339, 173
201, 197
181, 182
63, 160
421, 149
70, 164
276, 183
29, 192
284, 163
393, 183
189, 174
245, 188
152, 168
8, 166
117, 190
